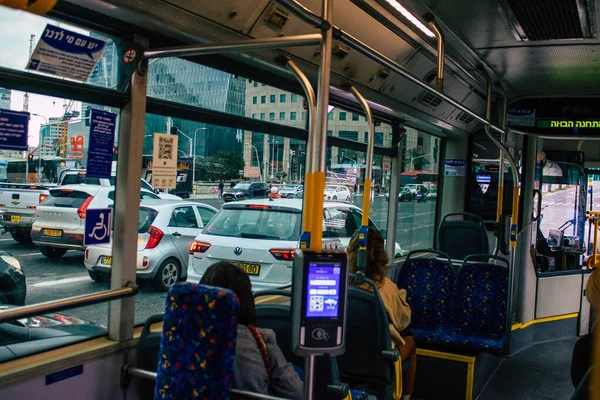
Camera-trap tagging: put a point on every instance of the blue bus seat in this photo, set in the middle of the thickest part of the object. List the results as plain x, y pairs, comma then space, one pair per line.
369, 358
428, 283
197, 346
461, 237
479, 307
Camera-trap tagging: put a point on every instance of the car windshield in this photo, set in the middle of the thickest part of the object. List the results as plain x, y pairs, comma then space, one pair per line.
256, 223
242, 186
289, 187
330, 187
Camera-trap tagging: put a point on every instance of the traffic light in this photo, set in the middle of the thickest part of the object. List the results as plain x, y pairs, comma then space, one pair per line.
174, 130
294, 168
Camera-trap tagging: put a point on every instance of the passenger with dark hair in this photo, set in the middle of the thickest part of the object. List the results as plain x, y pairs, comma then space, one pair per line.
259, 365
394, 301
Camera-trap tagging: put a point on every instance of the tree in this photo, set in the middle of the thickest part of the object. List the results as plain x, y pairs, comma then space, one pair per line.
225, 165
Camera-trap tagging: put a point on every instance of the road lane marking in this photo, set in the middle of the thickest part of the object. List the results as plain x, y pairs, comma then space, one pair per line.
29, 254
5, 240
62, 281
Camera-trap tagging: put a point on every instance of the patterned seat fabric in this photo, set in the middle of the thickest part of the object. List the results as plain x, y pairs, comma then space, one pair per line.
197, 346
428, 283
479, 307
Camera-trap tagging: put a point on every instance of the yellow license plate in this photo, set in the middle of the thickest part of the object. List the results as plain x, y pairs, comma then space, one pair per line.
15, 218
106, 260
53, 232
250, 269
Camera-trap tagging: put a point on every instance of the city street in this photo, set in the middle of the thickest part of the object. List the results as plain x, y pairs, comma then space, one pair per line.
51, 280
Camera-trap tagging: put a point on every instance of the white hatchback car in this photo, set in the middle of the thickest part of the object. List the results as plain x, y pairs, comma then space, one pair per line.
165, 231
335, 192
59, 222
261, 235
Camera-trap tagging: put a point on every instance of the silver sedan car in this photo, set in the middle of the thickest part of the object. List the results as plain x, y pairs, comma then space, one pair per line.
165, 232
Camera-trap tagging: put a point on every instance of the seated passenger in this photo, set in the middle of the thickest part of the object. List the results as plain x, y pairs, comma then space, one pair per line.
394, 300
259, 365
583, 356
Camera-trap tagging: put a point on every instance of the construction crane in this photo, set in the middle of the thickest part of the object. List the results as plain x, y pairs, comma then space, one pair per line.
26, 96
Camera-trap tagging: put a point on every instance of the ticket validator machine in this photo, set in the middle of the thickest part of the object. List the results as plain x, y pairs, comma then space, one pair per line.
320, 282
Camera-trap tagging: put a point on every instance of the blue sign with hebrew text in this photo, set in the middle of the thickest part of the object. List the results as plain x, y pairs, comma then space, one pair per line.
102, 141
97, 226
14, 126
65, 53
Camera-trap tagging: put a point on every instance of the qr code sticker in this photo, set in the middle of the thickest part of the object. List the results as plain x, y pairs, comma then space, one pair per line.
316, 303
165, 148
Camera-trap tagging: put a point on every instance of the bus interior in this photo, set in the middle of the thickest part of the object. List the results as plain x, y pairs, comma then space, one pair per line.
490, 105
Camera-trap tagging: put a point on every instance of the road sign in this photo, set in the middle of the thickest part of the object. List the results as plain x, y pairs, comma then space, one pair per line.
13, 130
102, 142
98, 224
164, 161
386, 163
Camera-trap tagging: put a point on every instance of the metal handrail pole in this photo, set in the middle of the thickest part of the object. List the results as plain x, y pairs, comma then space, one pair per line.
235, 46
68, 303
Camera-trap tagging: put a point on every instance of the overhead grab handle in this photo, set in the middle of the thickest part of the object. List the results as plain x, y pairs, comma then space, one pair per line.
311, 144
439, 83
363, 231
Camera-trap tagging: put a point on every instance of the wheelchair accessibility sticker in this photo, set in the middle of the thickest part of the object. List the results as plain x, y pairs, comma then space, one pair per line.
97, 226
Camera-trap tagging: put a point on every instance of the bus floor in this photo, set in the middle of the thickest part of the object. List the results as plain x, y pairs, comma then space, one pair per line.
540, 372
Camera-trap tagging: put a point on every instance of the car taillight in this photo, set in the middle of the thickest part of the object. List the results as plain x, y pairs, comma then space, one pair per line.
43, 197
283, 255
155, 236
87, 253
84, 206
199, 247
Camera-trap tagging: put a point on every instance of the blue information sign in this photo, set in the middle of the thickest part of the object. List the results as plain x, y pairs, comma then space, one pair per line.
65, 53
97, 226
14, 126
102, 141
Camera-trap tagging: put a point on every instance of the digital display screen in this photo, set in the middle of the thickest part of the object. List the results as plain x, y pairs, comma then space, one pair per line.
484, 178
568, 123
323, 291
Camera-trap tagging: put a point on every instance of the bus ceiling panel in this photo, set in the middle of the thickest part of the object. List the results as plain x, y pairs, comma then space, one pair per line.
551, 70
463, 120
531, 45
237, 15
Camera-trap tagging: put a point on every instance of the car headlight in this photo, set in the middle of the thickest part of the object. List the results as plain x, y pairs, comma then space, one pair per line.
11, 261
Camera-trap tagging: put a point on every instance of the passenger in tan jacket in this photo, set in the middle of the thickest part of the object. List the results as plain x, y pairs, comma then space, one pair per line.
394, 301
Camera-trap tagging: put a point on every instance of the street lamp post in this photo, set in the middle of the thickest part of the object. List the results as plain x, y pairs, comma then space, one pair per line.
412, 160
257, 159
194, 156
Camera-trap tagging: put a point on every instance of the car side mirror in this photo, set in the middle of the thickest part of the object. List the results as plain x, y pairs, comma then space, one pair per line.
156, 191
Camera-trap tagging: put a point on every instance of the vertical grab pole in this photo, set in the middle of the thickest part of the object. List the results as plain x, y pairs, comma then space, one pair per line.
500, 203
363, 231
312, 238
320, 143
514, 223
307, 214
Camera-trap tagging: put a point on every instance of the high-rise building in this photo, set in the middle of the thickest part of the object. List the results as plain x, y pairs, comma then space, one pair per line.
51, 135
5, 99
277, 155
184, 82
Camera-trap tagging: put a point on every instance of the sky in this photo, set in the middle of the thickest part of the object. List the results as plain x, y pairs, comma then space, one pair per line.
17, 26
